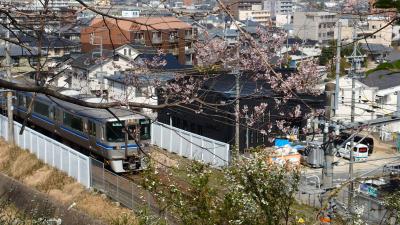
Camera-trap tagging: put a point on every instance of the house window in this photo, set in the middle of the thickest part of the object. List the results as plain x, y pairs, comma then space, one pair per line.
373, 27
15, 61
57, 51
173, 35
124, 51
138, 36
33, 61
138, 92
130, 52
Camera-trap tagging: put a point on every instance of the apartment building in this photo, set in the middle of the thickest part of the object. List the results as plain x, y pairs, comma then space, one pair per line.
368, 27
256, 14
276, 7
168, 33
62, 3
237, 5
317, 26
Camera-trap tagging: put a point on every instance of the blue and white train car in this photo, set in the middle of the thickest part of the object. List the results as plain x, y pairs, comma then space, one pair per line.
95, 131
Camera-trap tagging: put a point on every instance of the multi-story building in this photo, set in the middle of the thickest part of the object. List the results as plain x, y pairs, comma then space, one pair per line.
256, 14
317, 26
236, 5
367, 27
278, 6
168, 33
58, 3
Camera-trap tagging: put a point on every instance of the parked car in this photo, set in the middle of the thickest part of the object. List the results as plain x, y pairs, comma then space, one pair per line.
368, 141
360, 152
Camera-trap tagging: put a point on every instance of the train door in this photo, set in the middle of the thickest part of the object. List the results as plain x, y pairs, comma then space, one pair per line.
92, 134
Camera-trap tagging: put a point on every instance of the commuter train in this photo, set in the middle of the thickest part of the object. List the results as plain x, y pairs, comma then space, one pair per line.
95, 131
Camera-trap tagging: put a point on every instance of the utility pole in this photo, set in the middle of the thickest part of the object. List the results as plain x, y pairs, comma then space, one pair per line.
237, 113
338, 43
237, 105
9, 92
327, 170
356, 58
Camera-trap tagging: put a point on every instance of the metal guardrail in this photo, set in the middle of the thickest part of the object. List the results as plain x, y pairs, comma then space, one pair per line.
119, 188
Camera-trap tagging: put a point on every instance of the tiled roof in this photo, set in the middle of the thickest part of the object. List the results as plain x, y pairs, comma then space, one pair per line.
16, 50
149, 23
49, 41
381, 79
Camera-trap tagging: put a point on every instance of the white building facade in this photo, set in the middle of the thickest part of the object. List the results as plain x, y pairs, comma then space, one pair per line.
375, 97
317, 26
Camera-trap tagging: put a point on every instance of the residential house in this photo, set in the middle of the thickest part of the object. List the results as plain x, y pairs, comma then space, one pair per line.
22, 59
168, 33
87, 71
55, 47
376, 95
218, 122
115, 76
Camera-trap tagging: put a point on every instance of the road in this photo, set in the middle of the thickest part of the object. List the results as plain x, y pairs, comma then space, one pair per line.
374, 164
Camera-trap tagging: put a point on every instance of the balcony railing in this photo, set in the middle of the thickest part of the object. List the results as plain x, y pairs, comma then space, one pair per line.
139, 41
173, 39
188, 50
156, 40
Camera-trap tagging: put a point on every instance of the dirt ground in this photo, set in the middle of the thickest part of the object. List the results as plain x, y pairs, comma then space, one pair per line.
25, 167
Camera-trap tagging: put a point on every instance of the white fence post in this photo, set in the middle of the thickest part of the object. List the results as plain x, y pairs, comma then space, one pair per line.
171, 131
161, 135
214, 158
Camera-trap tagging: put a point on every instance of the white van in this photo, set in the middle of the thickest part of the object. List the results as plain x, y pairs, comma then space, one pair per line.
360, 152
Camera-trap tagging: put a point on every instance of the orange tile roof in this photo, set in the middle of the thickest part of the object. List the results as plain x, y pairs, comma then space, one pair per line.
145, 23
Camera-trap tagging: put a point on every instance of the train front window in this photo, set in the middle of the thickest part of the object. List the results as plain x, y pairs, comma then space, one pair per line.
144, 129
115, 132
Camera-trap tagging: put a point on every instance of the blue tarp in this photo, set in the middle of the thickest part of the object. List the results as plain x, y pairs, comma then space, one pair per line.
281, 142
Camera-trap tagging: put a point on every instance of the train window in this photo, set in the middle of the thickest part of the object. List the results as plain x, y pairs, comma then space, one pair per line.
92, 128
41, 108
21, 100
114, 131
51, 112
56, 114
144, 129
72, 121
28, 100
